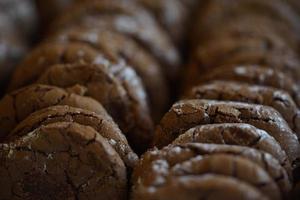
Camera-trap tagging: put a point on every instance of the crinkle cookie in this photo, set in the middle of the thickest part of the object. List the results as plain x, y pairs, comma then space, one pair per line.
187, 114
251, 74
102, 124
61, 161
117, 47
235, 134
127, 18
200, 187
232, 91
46, 55
158, 166
18, 105
117, 88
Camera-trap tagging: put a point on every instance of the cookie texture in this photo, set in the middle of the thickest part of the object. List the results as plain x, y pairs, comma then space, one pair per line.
189, 113
117, 88
18, 105
62, 161
231, 91
158, 167
118, 48
102, 124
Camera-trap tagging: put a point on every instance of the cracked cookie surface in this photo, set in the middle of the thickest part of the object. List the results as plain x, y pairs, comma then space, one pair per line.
117, 88
61, 161
231, 91
102, 124
18, 105
187, 114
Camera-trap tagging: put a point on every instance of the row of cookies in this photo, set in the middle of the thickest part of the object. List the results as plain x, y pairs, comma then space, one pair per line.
234, 134
17, 24
76, 99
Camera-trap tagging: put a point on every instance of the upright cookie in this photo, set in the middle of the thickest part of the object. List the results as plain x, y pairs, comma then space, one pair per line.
206, 186
157, 166
189, 113
46, 55
117, 47
232, 91
118, 89
103, 125
127, 18
18, 105
61, 161
234, 134
251, 74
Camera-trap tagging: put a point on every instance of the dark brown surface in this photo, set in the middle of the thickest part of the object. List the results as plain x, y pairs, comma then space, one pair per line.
119, 48
18, 105
232, 91
158, 166
61, 161
203, 187
46, 55
129, 19
103, 125
251, 74
190, 113
117, 88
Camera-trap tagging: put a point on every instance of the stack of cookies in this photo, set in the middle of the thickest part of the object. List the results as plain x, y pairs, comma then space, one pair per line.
17, 23
235, 133
81, 105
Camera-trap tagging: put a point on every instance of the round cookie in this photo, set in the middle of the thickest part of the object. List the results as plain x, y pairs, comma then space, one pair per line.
237, 51
172, 15
251, 74
232, 166
17, 105
127, 18
46, 55
103, 125
250, 26
232, 91
234, 134
157, 165
62, 161
118, 89
216, 12
203, 187
189, 113
118, 47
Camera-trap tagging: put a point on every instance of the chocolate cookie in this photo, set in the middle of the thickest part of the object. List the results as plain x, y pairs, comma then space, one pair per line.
232, 91
105, 126
261, 51
118, 89
172, 14
157, 166
249, 26
17, 105
61, 161
46, 55
127, 18
229, 165
252, 74
234, 134
217, 12
190, 113
200, 187
118, 47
